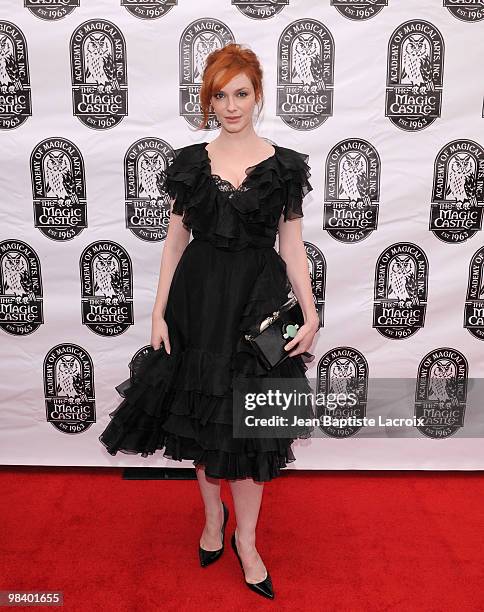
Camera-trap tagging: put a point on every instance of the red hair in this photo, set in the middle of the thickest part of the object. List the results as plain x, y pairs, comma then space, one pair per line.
221, 67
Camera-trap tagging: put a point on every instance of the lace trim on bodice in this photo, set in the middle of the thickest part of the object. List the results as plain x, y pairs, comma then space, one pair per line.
227, 186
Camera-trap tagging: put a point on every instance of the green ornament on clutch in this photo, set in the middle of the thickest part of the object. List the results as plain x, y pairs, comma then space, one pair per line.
291, 331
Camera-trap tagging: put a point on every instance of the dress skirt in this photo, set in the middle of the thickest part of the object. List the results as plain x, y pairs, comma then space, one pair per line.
182, 402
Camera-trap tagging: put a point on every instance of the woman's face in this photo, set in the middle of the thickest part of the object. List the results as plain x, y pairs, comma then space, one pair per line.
234, 104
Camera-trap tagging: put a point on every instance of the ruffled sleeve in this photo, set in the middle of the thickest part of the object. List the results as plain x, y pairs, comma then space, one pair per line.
180, 179
296, 175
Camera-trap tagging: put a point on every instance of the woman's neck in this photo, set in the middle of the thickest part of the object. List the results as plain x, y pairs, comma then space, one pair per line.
238, 140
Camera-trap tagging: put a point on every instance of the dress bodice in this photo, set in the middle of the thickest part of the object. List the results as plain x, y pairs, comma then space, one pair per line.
231, 217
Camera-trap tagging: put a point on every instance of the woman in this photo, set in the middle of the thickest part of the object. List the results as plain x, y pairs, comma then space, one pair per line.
234, 195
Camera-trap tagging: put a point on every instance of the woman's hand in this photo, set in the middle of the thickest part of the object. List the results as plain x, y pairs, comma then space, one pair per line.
303, 338
159, 333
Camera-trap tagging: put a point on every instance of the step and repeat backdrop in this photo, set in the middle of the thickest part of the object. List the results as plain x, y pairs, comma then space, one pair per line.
386, 98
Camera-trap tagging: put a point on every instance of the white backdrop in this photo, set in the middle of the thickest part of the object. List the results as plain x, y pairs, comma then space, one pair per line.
386, 97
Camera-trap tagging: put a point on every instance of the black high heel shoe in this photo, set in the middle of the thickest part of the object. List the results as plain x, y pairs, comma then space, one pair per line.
262, 588
209, 556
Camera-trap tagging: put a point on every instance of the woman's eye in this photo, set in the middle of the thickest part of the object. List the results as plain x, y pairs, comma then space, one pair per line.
243, 93
218, 94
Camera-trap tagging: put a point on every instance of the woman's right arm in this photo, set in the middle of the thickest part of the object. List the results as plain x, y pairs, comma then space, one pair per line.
176, 241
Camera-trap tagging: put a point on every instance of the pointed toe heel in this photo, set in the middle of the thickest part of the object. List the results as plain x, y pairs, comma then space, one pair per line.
207, 557
264, 587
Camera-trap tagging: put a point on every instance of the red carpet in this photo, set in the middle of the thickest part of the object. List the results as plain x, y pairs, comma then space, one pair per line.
342, 541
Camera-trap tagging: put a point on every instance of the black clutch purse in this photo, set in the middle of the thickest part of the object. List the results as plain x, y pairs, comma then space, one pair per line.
275, 331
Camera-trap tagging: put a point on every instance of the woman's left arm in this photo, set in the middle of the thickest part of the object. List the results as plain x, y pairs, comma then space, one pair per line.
292, 251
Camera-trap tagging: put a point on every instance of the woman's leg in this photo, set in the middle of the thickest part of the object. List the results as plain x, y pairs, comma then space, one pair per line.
247, 496
214, 515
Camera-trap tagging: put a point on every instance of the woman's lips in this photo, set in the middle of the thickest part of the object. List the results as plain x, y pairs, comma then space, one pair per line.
232, 118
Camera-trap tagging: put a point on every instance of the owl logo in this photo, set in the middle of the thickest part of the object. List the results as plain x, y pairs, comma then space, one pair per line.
16, 278
107, 278
403, 286
416, 65
59, 182
99, 65
99, 78
440, 392
342, 375
203, 45
353, 183
462, 181
68, 375
152, 177
457, 191
106, 287
307, 64
9, 79
352, 190
443, 383
69, 382
400, 291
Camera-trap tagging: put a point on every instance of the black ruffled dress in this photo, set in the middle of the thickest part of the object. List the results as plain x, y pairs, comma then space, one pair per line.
227, 280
